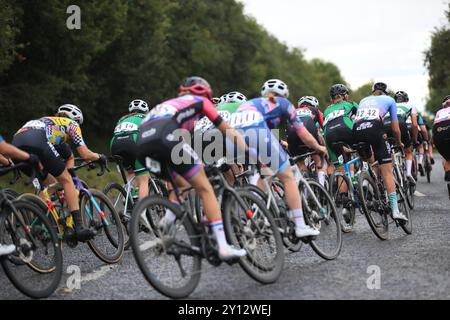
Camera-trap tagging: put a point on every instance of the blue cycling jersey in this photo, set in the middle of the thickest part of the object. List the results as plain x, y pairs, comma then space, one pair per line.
375, 108
1, 138
260, 111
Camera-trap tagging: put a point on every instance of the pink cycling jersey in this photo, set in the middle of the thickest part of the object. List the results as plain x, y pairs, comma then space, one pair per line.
185, 110
442, 115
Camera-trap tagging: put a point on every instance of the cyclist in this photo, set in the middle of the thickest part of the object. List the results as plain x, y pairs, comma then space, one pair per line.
405, 112
338, 124
441, 135
423, 136
256, 118
338, 127
206, 132
368, 128
157, 140
312, 118
124, 145
10, 151
44, 137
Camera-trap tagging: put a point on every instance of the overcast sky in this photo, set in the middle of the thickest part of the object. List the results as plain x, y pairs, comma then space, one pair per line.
383, 40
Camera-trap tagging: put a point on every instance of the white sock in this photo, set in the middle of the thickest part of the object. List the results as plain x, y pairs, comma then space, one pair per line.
321, 175
408, 167
297, 216
217, 227
170, 216
420, 158
253, 179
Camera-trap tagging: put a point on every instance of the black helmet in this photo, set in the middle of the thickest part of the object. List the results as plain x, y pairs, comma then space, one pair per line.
401, 95
338, 89
446, 99
380, 86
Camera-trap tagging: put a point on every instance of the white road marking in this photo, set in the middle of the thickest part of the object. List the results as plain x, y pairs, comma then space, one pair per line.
419, 194
97, 274
149, 244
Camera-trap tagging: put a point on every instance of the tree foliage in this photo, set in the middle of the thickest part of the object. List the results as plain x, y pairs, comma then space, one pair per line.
437, 60
128, 49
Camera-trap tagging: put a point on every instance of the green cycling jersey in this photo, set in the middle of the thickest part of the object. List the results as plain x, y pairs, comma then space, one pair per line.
342, 109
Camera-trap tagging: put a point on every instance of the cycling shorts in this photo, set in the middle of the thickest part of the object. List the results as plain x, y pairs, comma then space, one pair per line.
296, 145
157, 141
337, 131
406, 136
373, 134
441, 138
35, 141
125, 147
270, 152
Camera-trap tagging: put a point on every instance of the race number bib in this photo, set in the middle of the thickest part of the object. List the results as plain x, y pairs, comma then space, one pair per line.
34, 124
303, 113
334, 115
246, 118
126, 127
205, 124
368, 114
162, 110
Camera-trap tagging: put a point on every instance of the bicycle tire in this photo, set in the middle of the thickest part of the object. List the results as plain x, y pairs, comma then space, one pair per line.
240, 235
364, 179
120, 211
428, 168
37, 201
293, 244
100, 227
136, 236
333, 218
348, 223
405, 225
46, 233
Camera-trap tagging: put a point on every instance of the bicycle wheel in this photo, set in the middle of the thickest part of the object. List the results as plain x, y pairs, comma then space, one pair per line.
404, 208
38, 202
328, 244
410, 189
370, 203
285, 225
343, 200
258, 234
36, 244
98, 214
428, 168
118, 197
166, 260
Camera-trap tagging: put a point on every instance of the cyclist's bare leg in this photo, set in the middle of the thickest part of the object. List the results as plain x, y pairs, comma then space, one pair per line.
142, 182
293, 200
322, 172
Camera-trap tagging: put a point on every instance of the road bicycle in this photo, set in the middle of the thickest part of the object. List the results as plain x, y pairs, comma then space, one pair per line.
374, 199
98, 214
170, 260
124, 197
319, 211
427, 161
35, 267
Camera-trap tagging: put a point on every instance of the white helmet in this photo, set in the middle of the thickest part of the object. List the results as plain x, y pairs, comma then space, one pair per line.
235, 96
309, 100
138, 106
72, 112
276, 86
223, 99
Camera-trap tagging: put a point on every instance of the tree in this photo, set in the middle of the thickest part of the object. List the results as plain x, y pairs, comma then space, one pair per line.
437, 60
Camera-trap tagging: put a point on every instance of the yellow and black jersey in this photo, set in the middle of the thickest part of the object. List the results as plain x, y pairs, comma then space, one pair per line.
58, 130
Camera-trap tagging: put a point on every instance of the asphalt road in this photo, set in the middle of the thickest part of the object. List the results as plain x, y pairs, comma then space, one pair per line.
410, 267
